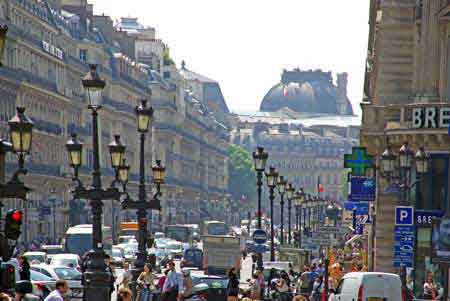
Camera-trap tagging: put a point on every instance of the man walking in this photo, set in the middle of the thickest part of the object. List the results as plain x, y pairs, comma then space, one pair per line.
172, 285
59, 293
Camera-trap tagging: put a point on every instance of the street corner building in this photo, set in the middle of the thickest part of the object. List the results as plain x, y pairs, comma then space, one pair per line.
49, 46
306, 123
407, 99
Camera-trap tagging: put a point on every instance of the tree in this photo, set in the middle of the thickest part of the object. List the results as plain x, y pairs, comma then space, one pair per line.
242, 176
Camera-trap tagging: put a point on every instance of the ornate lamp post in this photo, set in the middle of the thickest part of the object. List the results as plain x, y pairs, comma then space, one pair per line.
272, 177
260, 159
290, 191
3, 31
400, 178
299, 201
21, 132
281, 185
97, 278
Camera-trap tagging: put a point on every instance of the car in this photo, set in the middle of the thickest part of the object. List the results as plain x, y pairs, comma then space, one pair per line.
175, 248
192, 257
71, 275
159, 235
130, 252
70, 260
125, 239
118, 257
161, 243
37, 257
42, 284
368, 286
217, 286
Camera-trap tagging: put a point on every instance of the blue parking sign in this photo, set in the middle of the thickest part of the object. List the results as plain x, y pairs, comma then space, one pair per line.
404, 216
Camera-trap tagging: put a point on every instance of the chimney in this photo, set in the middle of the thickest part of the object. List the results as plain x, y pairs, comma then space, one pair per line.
79, 8
342, 82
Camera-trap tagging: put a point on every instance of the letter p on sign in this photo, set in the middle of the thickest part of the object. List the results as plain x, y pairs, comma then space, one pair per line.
404, 216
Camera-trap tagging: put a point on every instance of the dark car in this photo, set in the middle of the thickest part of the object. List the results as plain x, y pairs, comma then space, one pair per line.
192, 258
217, 286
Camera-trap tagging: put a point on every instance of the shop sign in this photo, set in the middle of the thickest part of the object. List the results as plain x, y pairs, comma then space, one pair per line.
51, 49
430, 117
426, 217
362, 189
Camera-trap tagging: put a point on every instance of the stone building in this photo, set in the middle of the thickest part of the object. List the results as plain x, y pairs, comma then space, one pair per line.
49, 45
306, 125
407, 99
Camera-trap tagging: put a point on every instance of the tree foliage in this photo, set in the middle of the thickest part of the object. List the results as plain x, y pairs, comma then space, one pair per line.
242, 176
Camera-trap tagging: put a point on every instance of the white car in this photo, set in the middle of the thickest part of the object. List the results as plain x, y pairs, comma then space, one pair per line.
42, 284
368, 286
36, 257
71, 275
69, 260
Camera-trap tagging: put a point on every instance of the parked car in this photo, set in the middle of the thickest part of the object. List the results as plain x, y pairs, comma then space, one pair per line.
69, 260
368, 286
37, 257
192, 257
71, 275
175, 248
42, 284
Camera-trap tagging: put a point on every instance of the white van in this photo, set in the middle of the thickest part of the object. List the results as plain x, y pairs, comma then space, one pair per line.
368, 286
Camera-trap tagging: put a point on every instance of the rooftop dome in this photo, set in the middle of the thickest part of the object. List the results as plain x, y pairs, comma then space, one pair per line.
309, 92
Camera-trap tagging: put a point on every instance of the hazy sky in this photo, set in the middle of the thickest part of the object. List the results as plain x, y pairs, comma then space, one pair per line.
245, 44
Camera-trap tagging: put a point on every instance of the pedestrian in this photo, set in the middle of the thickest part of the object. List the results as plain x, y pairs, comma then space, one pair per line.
255, 288
318, 289
24, 267
186, 291
59, 293
429, 289
172, 285
126, 275
146, 283
124, 294
162, 279
282, 285
109, 269
233, 285
305, 282
4, 297
262, 282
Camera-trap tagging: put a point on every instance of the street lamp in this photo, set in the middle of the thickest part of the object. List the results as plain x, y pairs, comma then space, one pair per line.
97, 278
290, 191
406, 158
299, 201
260, 159
272, 177
281, 185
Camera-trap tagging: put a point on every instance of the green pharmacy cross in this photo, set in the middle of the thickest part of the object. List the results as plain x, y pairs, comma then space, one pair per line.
358, 161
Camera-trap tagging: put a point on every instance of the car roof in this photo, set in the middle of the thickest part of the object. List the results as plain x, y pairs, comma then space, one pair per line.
362, 274
34, 253
66, 255
51, 267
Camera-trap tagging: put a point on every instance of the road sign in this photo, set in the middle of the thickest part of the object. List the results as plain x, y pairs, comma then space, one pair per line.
426, 217
260, 236
358, 161
362, 189
404, 238
328, 230
404, 216
361, 208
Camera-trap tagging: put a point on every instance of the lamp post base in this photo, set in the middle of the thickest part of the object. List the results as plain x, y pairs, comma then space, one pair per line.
97, 279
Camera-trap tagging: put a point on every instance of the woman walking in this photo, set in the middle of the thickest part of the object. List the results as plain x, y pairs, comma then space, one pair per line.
233, 285
146, 282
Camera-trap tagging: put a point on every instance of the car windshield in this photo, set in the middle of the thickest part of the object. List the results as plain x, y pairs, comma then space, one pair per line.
31, 258
64, 261
116, 253
67, 274
36, 276
211, 282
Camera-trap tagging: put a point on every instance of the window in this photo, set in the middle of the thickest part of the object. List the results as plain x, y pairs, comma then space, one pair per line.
83, 55
431, 193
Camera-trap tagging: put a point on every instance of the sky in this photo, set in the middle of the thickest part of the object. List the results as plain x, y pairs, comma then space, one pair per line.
245, 44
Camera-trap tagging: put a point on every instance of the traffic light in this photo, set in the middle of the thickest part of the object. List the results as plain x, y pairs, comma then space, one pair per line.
7, 276
13, 221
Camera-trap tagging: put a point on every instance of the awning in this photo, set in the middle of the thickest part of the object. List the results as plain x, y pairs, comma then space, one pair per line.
353, 239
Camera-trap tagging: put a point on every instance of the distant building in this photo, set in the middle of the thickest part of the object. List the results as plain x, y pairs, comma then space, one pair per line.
306, 125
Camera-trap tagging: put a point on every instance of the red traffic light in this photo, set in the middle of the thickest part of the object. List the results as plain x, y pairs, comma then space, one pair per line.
17, 215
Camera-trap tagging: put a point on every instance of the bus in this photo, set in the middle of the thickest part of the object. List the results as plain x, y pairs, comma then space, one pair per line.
78, 239
214, 228
181, 233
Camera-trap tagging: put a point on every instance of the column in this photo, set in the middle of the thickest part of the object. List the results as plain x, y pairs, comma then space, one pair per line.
431, 50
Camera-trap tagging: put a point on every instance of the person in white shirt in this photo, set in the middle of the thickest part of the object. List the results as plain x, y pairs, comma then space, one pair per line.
59, 292
172, 285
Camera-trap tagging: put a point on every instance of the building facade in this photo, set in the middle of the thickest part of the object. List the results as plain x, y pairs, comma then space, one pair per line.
407, 99
49, 45
306, 125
